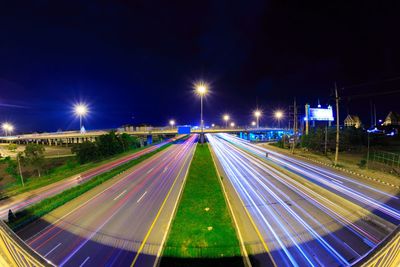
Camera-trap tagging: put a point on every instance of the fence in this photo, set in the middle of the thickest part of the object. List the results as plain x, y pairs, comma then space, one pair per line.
14, 252
387, 158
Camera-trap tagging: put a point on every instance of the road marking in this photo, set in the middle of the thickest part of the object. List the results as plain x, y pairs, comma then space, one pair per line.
165, 169
158, 257
123, 192
243, 248
156, 218
149, 171
48, 253
141, 197
83, 263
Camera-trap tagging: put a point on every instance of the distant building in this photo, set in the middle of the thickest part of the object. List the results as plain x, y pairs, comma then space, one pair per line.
392, 119
352, 121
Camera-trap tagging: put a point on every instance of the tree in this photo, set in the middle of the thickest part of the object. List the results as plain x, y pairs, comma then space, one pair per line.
12, 147
109, 144
34, 156
86, 152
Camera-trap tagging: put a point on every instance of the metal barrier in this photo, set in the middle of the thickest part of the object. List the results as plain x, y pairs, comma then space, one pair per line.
14, 251
385, 254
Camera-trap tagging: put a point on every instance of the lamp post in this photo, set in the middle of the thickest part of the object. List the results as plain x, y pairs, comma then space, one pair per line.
279, 116
257, 114
80, 110
226, 119
7, 128
172, 123
201, 90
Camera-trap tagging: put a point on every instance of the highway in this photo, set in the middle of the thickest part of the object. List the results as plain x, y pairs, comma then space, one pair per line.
306, 215
121, 222
24, 200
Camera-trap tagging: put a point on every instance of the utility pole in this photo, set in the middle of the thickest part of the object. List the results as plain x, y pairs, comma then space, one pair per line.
20, 171
326, 138
295, 121
337, 125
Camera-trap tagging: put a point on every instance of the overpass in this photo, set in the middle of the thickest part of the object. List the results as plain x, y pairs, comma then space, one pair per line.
74, 137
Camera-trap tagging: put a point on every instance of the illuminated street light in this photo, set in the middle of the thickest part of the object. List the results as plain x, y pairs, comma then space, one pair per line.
257, 114
232, 124
80, 110
226, 119
213, 125
279, 115
201, 90
172, 123
7, 128
253, 123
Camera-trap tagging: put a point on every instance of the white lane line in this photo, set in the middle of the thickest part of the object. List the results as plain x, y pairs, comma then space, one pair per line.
83, 263
165, 169
149, 171
48, 253
123, 192
141, 197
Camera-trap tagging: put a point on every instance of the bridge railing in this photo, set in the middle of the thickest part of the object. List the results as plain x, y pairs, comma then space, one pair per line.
15, 252
385, 254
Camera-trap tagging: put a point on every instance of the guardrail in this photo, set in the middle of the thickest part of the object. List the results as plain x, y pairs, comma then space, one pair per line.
385, 254
14, 251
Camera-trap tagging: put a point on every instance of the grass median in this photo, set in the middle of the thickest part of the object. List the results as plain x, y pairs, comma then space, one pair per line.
202, 232
34, 212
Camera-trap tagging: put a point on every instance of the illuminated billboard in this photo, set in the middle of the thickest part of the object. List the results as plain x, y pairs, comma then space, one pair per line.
320, 114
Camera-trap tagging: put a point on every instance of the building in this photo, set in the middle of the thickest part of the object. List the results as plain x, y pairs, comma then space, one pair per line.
392, 119
352, 121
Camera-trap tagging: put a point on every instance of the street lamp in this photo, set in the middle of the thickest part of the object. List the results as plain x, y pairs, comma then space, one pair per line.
279, 116
172, 123
226, 119
7, 128
201, 90
213, 125
253, 123
80, 110
232, 124
257, 114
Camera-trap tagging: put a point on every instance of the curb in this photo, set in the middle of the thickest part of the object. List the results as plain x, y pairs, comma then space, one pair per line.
351, 172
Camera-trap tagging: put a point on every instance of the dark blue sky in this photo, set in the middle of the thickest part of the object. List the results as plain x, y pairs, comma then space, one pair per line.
139, 59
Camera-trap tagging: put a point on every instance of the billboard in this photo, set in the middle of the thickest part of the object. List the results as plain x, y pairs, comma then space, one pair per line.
321, 114
184, 129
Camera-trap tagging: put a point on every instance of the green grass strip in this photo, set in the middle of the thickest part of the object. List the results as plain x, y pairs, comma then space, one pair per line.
202, 227
34, 212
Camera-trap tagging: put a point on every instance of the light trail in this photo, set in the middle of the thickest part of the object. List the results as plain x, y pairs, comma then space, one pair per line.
324, 176
303, 223
110, 232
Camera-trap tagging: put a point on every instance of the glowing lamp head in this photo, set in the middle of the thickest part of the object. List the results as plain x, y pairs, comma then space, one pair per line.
172, 122
213, 125
81, 109
201, 88
257, 113
232, 124
253, 123
7, 126
278, 114
226, 117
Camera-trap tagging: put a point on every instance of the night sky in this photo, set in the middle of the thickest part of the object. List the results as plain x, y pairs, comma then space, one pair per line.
135, 61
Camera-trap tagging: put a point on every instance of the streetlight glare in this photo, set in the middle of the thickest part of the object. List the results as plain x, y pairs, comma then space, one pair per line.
232, 124
7, 127
201, 88
81, 109
257, 113
253, 123
278, 114
172, 122
226, 117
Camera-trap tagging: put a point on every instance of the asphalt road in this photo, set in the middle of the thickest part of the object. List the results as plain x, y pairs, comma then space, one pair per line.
121, 222
306, 215
26, 199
